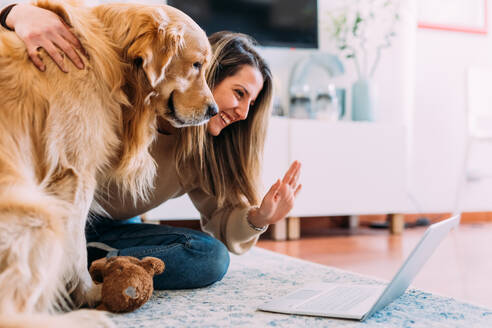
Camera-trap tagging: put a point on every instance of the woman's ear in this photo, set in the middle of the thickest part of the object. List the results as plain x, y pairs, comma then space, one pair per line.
154, 49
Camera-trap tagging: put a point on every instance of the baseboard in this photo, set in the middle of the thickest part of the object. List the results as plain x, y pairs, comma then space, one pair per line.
466, 217
325, 224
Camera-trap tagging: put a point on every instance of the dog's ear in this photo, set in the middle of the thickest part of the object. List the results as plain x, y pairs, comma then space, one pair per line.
155, 48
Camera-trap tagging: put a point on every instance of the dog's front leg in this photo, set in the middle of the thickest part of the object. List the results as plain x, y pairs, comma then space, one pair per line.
86, 292
82, 289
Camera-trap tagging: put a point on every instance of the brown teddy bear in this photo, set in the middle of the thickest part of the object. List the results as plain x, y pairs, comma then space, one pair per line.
127, 282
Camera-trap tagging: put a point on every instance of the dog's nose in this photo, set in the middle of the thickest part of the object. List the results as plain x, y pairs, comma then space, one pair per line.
212, 110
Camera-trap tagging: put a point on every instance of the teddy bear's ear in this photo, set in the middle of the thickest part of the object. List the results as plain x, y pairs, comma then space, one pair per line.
152, 265
96, 270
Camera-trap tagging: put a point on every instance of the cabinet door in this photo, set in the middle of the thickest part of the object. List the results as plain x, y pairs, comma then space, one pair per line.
349, 167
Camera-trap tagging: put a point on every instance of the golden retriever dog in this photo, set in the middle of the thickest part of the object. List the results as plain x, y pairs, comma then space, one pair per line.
63, 135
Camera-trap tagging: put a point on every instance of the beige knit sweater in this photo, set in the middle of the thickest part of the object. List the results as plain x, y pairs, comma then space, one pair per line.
228, 224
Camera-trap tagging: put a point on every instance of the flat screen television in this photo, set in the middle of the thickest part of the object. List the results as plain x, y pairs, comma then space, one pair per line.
278, 23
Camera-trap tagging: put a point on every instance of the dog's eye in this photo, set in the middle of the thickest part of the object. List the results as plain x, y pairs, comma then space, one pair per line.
197, 65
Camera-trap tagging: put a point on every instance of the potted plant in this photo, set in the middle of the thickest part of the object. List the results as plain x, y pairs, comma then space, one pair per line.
361, 30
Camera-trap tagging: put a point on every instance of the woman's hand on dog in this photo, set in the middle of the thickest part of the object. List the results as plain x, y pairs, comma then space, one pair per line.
41, 28
279, 200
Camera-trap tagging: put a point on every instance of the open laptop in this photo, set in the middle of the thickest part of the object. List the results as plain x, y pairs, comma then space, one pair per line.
361, 301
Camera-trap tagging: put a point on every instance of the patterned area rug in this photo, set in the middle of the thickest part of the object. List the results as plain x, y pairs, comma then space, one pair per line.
260, 275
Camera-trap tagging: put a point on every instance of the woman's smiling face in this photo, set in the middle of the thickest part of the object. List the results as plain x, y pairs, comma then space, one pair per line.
234, 96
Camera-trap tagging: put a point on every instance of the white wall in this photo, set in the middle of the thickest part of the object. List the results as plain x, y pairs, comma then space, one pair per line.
440, 125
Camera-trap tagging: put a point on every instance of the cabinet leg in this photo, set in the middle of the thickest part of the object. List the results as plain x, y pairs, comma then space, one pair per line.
353, 222
293, 228
279, 230
396, 223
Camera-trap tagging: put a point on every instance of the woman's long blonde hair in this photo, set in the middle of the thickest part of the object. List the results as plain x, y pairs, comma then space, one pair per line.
229, 165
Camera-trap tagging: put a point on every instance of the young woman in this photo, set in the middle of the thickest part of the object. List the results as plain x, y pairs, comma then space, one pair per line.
222, 181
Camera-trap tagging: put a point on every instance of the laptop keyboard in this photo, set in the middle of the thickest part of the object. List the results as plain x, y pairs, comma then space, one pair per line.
340, 298
303, 294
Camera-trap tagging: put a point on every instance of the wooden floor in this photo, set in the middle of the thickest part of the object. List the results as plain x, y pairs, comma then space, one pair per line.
461, 267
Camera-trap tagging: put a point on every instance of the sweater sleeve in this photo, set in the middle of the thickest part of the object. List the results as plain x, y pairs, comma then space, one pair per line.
228, 224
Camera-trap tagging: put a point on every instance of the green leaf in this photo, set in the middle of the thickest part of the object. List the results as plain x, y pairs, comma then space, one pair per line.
358, 20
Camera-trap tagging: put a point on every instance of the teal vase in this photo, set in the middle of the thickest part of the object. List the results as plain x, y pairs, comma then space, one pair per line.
363, 95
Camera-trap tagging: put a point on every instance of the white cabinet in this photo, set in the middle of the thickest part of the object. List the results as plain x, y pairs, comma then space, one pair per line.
180, 208
348, 168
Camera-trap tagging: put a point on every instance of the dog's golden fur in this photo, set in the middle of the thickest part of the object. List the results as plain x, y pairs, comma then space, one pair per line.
63, 135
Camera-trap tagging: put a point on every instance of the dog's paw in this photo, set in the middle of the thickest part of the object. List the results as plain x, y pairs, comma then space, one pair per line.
87, 295
93, 295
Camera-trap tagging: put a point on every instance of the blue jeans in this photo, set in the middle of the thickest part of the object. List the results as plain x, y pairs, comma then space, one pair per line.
193, 259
